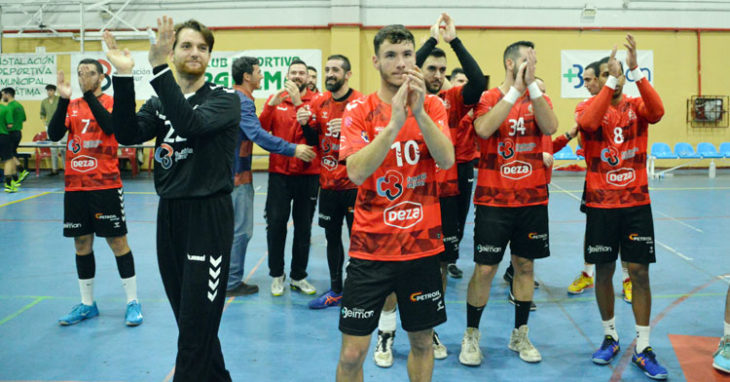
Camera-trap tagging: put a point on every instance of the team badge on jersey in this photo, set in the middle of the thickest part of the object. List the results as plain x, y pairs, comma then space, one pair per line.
506, 149
74, 145
390, 185
163, 155
611, 156
329, 162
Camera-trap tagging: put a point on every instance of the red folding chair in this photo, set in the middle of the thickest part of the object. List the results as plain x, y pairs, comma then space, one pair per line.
131, 154
40, 152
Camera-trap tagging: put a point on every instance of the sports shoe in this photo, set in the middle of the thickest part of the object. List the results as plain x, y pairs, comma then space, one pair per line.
627, 290
454, 271
646, 361
22, 175
277, 285
509, 274
303, 286
609, 348
79, 313
383, 355
12, 187
242, 289
580, 284
519, 342
721, 358
511, 299
471, 354
439, 350
326, 300
134, 313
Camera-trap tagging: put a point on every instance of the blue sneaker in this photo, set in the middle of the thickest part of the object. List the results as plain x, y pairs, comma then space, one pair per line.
326, 300
646, 361
79, 313
134, 313
609, 348
721, 358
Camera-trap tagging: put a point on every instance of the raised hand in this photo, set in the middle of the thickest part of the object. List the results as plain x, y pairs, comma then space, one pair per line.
631, 52
398, 104
63, 87
614, 68
303, 115
165, 39
278, 97
448, 33
304, 152
121, 59
520, 80
416, 90
547, 160
293, 89
530, 69
435, 28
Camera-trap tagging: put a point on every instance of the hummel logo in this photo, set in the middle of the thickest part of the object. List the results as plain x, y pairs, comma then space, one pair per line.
214, 274
215, 262
282, 108
196, 258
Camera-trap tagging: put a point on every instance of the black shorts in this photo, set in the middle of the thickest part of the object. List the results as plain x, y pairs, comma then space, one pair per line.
335, 206
450, 228
610, 231
98, 211
6, 147
583, 199
524, 228
417, 284
15, 136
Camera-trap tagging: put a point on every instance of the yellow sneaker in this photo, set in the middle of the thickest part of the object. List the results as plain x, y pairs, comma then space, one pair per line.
627, 290
580, 284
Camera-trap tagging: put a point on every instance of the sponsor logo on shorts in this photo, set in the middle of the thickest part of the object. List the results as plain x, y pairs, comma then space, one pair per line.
329, 162
537, 236
598, 249
324, 217
481, 248
71, 225
403, 215
421, 296
101, 216
621, 177
636, 237
516, 170
356, 313
83, 163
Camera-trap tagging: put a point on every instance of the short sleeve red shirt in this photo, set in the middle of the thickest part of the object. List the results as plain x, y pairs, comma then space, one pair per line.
397, 213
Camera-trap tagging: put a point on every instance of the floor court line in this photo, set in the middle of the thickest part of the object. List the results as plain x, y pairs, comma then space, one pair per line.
21, 310
674, 251
681, 222
24, 199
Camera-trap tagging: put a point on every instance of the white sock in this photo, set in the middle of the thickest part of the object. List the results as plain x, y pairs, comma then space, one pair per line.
589, 269
387, 321
625, 274
727, 329
642, 337
87, 291
130, 288
609, 328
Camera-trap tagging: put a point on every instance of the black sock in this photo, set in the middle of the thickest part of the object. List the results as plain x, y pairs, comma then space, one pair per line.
15, 177
473, 315
8, 179
125, 265
522, 312
86, 266
20, 168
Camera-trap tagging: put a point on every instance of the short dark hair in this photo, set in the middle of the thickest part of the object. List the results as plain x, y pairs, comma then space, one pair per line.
395, 33
309, 67
91, 61
604, 60
50, 87
345, 61
456, 71
513, 50
242, 65
595, 66
196, 26
437, 52
296, 61
9, 90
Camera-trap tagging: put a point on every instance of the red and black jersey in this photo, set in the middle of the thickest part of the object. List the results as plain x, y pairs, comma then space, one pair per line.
511, 168
397, 212
91, 155
333, 174
615, 139
462, 134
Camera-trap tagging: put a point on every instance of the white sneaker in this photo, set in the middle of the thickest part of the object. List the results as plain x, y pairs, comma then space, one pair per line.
277, 286
383, 355
470, 354
520, 343
439, 350
303, 286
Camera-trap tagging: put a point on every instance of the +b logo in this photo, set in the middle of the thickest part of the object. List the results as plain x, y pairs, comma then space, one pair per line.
579, 76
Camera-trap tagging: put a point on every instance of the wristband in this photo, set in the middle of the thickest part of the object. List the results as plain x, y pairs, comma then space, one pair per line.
636, 74
534, 90
611, 82
512, 95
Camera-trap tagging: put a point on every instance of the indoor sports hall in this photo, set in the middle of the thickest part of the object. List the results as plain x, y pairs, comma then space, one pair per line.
680, 50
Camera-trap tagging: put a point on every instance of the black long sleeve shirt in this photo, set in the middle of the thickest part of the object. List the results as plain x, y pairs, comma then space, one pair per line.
57, 126
472, 91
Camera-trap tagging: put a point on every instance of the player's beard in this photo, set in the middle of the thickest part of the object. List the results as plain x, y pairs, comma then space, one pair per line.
434, 87
183, 68
335, 85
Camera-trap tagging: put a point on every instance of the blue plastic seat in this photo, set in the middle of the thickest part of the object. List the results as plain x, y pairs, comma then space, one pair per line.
707, 150
566, 153
661, 150
725, 149
685, 151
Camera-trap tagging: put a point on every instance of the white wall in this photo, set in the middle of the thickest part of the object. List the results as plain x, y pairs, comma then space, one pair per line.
65, 14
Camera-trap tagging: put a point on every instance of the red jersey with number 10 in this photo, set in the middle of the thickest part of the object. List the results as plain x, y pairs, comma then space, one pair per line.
511, 168
333, 175
91, 155
615, 139
397, 212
